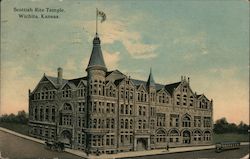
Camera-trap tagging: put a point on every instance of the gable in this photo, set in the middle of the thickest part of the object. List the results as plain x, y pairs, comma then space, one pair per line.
44, 83
81, 84
114, 75
141, 88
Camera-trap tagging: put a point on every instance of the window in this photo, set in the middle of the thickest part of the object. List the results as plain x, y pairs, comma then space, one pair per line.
197, 121
186, 121
161, 136
207, 136
207, 122
178, 99
122, 123
191, 101
140, 124
131, 124
67, 106
197, 135
126, 123
66, 120
53, 114
140, 110
184, 100
160, 119
174, 136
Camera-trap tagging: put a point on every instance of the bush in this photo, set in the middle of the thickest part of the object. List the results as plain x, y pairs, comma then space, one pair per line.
21, 117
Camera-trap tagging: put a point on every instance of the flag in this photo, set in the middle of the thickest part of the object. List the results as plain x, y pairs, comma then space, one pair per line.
102, 15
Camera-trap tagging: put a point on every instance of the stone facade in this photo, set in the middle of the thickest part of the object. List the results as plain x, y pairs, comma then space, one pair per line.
111, 112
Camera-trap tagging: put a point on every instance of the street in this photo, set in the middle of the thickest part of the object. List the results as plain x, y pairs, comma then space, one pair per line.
13, 147
229, 154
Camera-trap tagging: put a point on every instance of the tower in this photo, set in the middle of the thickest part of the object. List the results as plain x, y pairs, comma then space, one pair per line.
96, 72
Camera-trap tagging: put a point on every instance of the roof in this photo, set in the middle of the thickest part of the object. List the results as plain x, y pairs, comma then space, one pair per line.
54, 80
151, 81
96, 58
118, 81
144, 83
171, 87
76, 81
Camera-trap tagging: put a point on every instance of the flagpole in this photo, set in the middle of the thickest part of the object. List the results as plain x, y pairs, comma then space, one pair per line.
96, 20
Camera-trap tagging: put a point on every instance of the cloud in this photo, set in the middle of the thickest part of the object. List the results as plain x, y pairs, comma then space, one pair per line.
111, 59
117, 31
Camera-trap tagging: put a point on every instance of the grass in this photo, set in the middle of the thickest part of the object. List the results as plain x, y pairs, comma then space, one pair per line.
17, 127
231, 137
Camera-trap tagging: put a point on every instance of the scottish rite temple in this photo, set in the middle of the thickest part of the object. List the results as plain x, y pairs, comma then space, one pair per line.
110, 112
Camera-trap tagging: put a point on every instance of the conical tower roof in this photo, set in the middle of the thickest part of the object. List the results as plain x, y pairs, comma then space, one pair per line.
151, 81
96, 59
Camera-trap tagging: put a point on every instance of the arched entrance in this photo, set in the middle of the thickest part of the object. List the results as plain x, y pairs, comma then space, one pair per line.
65, 138
141, 144
186, 137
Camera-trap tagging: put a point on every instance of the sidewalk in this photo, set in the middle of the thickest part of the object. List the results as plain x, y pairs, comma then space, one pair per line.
124, 154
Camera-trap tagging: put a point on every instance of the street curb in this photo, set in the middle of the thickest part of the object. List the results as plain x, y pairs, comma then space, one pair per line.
105, 156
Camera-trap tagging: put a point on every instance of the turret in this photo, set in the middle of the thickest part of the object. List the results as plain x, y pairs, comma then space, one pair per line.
151, 81
96, 61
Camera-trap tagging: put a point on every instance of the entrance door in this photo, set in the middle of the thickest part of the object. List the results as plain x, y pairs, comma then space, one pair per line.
66, 138
186, 137
141, 144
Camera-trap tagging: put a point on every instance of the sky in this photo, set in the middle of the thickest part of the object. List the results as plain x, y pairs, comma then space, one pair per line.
207, 41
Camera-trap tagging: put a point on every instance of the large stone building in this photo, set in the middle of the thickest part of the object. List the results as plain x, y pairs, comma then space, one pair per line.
111, 112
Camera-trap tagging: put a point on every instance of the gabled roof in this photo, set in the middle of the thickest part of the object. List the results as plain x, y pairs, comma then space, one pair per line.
171, 87
76, 81
118, 81
53, 80
201, 95
144, 83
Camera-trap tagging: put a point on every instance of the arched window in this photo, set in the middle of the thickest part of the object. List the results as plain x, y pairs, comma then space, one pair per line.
174, 136
186, 121
197, 135
161, 136
67, 107
207, 136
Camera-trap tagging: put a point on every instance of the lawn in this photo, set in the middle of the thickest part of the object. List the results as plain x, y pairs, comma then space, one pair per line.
231, 137
20, 128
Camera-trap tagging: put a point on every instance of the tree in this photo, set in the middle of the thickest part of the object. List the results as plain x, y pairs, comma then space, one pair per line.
21, 117
222, 126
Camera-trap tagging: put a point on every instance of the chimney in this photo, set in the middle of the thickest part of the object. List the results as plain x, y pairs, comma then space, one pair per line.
59, 75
